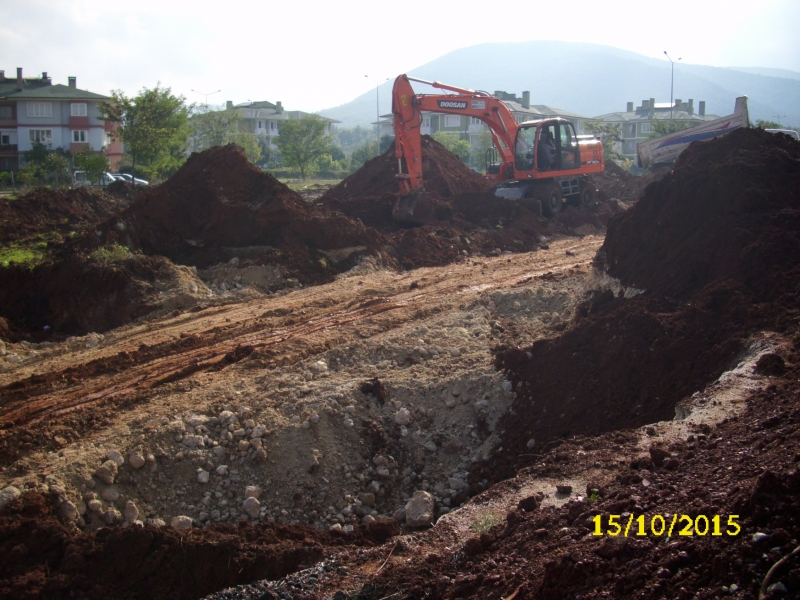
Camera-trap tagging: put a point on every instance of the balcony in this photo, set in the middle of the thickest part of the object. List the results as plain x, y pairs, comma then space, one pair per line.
8, 148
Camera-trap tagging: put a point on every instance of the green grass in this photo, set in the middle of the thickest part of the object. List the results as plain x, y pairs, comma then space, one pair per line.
19, 255
485, 520
299, 184
111, 254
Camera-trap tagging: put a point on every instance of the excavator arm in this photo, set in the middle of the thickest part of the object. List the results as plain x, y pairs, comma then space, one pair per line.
407, 109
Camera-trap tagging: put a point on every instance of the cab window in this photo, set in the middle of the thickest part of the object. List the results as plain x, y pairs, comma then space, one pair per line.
523, 151
570, 156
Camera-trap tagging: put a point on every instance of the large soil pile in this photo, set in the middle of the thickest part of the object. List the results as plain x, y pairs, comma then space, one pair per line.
45, 211
716, 246
445, 175
218, 206
730, 211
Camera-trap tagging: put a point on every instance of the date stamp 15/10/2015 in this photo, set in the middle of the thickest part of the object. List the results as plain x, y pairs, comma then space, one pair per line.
666, 525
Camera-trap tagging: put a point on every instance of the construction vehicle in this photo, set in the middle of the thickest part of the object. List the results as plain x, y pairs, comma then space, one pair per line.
542, 160
665, 150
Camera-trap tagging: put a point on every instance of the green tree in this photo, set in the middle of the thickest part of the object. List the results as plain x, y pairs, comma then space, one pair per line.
37, 155
454, 143
762, 124
154, 126
213, 127
480, 144
29, 174
302, 142
662, 127
336, 152
94, 164
249, 144
57, 165
363, 153
609, 134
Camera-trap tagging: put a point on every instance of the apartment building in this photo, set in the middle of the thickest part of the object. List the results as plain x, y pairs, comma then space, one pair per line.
34, 110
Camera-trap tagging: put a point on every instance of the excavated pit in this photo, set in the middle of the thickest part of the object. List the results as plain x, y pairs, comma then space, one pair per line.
623, 363
710, 254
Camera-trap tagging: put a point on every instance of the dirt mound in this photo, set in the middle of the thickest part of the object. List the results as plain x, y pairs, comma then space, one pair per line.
218, 206
44, 210
615, 182
43, 558
716, 246
125, 190
445, 174
730, 210
79, 294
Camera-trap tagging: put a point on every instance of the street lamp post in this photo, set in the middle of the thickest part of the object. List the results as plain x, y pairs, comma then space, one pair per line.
206, 95
377, 111
671, 83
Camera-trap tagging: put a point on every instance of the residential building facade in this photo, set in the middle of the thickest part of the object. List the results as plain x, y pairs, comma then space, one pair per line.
263, 119
638, 124
33, 110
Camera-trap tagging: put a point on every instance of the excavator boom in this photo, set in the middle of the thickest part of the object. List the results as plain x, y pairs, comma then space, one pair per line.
543, 160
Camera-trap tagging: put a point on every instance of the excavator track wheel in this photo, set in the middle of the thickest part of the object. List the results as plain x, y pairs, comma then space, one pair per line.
552, 200
588, 195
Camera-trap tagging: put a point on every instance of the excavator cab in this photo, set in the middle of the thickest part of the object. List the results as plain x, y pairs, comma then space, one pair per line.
546, 146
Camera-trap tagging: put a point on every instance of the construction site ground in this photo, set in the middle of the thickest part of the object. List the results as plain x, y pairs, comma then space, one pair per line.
269, 427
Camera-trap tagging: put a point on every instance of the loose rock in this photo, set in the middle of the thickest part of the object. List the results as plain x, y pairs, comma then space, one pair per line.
7, 495
252, 507
181, 523
107, 472
420, 509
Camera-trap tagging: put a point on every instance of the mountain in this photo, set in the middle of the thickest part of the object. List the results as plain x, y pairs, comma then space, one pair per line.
592, 80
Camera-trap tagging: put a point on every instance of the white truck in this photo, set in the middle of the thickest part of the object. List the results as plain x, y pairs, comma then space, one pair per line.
668, 147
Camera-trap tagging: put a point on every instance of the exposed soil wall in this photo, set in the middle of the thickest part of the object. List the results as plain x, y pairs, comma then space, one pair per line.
78, 294
716, 247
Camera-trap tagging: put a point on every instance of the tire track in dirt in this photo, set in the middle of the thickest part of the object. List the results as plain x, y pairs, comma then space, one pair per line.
114, 378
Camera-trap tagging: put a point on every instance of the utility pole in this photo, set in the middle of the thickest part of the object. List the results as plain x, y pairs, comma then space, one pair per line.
671, 83
377, 110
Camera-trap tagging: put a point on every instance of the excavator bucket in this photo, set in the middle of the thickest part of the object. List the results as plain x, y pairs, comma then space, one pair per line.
414, 209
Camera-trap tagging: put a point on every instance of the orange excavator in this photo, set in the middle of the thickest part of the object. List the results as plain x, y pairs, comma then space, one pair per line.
543, 160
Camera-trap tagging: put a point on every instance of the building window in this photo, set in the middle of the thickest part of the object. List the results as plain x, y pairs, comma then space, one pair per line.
272, 125
6, 112
78, 110
40, 109
647, 128
452, 121
41, 136
260, 125
426, 122
475, 121
5, 139
79, 136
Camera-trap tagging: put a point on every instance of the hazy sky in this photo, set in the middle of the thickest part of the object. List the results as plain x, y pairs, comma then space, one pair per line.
314, 54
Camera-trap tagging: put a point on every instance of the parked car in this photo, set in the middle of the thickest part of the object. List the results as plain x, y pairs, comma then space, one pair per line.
81, 178
131, 179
